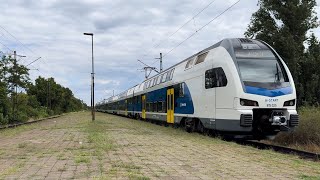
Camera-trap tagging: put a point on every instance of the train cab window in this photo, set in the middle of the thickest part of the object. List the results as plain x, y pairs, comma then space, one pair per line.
201, 58
215, 78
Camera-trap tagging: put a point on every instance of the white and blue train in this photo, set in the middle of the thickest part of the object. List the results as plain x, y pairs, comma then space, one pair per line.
238, 86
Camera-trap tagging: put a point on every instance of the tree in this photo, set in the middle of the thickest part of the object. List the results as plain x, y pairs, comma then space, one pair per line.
284, 25
55, 97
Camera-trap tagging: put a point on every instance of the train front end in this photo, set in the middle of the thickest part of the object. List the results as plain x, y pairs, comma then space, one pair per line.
267, 99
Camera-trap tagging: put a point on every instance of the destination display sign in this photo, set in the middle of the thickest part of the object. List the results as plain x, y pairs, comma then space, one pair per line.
254, 53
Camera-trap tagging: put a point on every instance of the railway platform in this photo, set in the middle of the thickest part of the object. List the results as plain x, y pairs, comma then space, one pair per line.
113, 147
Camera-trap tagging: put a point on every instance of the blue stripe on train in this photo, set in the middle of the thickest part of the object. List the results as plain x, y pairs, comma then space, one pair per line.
268, 92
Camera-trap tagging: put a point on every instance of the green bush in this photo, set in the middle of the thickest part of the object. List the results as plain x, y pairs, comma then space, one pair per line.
3, 120
308, 131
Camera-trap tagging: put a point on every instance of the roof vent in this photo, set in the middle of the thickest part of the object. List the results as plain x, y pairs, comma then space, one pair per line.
244, 40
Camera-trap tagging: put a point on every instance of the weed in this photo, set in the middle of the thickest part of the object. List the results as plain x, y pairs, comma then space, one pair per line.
22, 145
82, 159
125, 166
62, 169
306, 177
307, 135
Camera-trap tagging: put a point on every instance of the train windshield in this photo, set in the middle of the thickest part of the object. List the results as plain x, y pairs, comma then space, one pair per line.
261, 70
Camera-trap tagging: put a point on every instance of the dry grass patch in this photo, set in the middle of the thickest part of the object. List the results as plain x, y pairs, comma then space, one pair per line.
307, 135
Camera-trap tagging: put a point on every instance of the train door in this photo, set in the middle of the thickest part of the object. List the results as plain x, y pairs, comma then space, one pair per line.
170, 105
143, 107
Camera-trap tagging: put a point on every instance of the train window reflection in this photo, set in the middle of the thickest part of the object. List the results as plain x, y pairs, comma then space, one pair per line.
260, 70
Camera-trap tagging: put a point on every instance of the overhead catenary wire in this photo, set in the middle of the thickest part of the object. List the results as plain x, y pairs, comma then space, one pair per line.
157, 45
26, 47
6, 46
187, 22
201, 28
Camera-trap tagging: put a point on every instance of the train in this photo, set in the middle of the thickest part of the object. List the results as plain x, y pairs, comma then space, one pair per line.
238, 87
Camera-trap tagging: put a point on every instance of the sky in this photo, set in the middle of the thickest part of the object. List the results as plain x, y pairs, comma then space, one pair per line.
124, 31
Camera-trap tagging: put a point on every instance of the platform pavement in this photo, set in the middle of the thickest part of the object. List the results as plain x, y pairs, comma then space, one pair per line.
72, 147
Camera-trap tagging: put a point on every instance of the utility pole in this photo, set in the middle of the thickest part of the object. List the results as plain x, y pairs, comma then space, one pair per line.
161, 68
15, 82
48, 94
92, 79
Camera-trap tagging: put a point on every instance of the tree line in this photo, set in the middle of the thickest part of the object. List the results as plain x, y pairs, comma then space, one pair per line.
287, 26
21, 100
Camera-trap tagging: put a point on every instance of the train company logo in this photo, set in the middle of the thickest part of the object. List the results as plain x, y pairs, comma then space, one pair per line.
183, 104
271, 100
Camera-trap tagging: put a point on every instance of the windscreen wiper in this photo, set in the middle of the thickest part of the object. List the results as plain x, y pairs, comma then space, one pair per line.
277, 75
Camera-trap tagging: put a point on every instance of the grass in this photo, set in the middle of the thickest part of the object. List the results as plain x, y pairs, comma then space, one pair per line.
307, 135
11, 170
82, 159
306, 177
98, 139
17, 130
22, 145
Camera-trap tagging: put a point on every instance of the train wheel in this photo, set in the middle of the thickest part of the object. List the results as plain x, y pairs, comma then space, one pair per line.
190, 125
200, 127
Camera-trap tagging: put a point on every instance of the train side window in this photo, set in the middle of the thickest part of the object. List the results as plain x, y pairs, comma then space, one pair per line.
151, 107
171, 74
189, 63
155, 81
181, 89
164, 77
155, 108
148, 107
164, 106
159, 108
210, 78
215, 78
168, 76
158, 80
201, 58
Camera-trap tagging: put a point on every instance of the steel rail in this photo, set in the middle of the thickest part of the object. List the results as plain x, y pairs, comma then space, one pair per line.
281, 149
28, 122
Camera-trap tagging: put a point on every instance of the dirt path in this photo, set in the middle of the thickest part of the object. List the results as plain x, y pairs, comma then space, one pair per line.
72, 147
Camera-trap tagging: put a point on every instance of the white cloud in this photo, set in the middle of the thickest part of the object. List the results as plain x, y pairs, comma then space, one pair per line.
124, 31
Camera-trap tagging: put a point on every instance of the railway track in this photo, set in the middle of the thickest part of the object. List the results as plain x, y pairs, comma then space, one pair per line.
29, 122
282, 149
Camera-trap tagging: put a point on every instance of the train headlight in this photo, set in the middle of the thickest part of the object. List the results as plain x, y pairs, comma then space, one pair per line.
290, 103
246, 102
